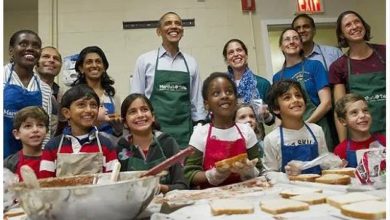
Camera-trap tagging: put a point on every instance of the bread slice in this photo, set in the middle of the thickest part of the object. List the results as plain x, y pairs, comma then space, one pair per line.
229, 162
336, 179
287, 193
230, 207
365, 210
310, 177
279, 206
310, 198
339, 200
350, 171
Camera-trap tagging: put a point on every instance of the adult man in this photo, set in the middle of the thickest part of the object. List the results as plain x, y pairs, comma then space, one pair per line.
171, 80
305, 26
48, 67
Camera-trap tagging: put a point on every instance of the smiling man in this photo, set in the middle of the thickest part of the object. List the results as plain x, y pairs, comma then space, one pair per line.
305, 26
171, 80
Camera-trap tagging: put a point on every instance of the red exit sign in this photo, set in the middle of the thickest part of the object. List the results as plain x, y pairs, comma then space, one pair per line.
309, 6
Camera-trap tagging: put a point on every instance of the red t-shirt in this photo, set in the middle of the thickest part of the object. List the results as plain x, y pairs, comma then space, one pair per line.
341, 149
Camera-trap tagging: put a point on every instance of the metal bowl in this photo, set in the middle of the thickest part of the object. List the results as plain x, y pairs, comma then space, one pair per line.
78, 198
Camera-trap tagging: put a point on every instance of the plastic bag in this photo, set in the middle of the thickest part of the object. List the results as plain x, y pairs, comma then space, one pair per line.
260, 108
69, 74
9, 179
372, 166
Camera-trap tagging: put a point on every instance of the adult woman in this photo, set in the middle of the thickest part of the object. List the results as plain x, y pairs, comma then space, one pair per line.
361, 70
313, 78
249, 85
92, 68
22, 87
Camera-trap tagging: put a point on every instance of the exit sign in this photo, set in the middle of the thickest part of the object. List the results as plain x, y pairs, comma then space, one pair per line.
309, 6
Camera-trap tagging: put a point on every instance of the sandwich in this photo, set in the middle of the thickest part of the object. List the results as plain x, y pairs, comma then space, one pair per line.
336, 179
310, 177
230, 161
231, 207
350, 171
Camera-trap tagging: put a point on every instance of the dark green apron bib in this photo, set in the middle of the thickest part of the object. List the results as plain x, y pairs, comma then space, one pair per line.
134, 163
372, 86
171, 101
311, 107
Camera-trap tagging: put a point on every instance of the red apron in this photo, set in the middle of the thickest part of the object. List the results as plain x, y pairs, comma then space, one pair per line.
216, 150
33, 162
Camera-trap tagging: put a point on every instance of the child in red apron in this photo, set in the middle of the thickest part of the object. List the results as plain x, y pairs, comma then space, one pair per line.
30, 126
146, 146
353, 112
222, 138
294, 139
80, 149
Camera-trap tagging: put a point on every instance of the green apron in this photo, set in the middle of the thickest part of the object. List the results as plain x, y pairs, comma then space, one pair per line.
171, 101
372, 86
311, 107
134, 163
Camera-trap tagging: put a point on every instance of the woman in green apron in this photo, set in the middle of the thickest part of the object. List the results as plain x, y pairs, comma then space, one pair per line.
313, 78
145, 146
362, 70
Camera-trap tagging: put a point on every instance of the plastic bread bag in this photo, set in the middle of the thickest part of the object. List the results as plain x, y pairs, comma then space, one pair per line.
371, 168
332, 161
9, 179
260, 108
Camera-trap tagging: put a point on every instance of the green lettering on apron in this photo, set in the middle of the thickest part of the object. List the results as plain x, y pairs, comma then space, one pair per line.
171, 101
372, 86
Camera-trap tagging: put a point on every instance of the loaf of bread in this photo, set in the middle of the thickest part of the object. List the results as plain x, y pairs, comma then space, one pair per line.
365, 210
339, 200
310, 177
287, 193
310, 198
231, 207
350, 171
279, 206
336, 179
230, 161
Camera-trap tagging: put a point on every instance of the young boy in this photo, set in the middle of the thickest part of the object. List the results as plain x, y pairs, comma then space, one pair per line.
352, 112
294, 139
30, 126
80, 149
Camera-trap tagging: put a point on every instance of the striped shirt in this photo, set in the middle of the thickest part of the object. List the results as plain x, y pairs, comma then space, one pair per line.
32, 86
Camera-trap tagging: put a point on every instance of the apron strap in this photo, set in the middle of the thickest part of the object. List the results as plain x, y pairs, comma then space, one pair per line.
60, 144
323, 58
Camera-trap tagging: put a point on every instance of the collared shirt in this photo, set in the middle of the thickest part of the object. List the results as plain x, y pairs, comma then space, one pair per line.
143, 76
330, 54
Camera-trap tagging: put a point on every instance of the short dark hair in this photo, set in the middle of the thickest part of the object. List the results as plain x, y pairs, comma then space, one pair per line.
224, 52
339, 33
78, 92
211, 77
304, 16
278, 89
35, 112
15, 35
281, 38
106, 81
130, 99
163, 16
340, 105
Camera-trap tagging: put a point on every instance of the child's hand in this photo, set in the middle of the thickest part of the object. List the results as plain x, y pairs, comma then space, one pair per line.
102, 115
247, 169
293, 168
216, 176
116, 123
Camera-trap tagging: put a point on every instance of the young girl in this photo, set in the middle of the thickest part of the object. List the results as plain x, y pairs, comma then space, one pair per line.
81, 149
221, 139
246, 114
145, 146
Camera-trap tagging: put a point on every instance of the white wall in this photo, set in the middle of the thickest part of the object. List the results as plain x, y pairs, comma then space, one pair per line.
99, 22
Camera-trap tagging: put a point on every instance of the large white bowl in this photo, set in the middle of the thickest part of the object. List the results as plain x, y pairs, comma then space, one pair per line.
124, 199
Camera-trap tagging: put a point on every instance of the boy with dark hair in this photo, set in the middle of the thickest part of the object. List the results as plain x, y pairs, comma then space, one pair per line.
80, 149
30, 126
295, 139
